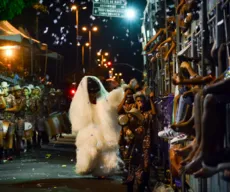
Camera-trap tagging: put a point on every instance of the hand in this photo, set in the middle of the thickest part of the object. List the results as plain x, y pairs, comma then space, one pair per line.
151, 95
185, 65
176, 79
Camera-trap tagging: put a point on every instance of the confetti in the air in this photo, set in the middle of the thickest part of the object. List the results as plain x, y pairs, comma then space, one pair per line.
92, 17
46, 30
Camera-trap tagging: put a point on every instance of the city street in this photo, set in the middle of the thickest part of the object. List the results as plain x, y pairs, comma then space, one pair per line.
53, 171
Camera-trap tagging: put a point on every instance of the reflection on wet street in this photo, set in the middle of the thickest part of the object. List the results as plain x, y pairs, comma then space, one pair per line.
51, 171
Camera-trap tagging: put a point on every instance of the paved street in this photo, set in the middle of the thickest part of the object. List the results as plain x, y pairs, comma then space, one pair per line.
53, 171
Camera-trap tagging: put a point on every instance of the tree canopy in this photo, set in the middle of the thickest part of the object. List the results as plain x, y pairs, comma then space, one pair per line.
10, 8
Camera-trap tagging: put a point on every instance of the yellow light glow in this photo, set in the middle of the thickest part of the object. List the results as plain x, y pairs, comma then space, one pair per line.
98, 53
87, 44
84, 7
104, 60
115, 74
99, 65
9, 52
95, 28
106, 53
112, 69
78, 44
98, 60
84, 29
120, 74
74, 8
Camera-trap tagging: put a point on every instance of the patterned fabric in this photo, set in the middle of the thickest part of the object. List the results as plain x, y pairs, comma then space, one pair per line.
20, 127
10, 103
20, 102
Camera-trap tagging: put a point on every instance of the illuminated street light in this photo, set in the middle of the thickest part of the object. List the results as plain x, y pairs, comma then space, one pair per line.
84, 29
95, 28
130, 13
87, 44
106, 53
90, 42
9, 52
112, 69
120, 74
99, 65
98, 53
78, 44
115, 74
98, 60
74, 8
104, 60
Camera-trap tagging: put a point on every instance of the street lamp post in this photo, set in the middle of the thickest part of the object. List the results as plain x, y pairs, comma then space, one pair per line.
103, 57
95, 29
76, 8
83, 53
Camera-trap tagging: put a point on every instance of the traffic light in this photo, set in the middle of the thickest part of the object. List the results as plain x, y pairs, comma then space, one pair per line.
109, 63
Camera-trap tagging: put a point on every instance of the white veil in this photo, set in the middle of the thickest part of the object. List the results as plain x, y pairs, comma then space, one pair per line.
80, 112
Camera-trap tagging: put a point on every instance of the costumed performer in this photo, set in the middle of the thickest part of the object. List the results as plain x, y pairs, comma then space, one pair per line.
93, 115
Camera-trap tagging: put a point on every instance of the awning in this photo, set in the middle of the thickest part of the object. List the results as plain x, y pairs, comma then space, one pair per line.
10, 33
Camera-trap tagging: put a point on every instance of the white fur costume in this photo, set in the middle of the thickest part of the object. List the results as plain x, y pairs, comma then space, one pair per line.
97, 130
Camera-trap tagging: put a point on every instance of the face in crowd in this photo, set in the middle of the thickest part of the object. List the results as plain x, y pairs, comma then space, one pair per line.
18, 93
5, 90
140, 102
129, 98
26, 92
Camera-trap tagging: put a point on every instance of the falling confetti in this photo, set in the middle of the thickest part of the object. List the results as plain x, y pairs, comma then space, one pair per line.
92, 17
46, 30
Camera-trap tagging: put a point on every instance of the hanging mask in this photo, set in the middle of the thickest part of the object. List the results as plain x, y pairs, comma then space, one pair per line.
92, 85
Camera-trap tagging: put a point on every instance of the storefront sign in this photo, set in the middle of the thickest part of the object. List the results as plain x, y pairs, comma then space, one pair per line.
109, 8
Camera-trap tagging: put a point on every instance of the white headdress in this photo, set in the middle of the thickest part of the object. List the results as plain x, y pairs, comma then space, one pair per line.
80, 112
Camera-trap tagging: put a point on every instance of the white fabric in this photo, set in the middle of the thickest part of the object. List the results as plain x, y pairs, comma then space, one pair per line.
97, 130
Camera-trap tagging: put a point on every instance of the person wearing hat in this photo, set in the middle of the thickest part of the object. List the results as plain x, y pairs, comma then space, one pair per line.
29, 116
8, 115
140, 160
20, 116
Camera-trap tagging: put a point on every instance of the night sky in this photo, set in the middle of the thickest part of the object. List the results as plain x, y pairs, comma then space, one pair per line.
116, 35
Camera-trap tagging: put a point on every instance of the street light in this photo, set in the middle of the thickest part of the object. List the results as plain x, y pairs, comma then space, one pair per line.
103, 55
90, 41
130, 13
9, 52
83, 53
77, 8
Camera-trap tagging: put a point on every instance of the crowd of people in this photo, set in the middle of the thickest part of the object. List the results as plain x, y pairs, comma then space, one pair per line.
136, 117
23, 111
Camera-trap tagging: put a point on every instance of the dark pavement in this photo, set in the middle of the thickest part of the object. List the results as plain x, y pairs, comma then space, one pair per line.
53, 171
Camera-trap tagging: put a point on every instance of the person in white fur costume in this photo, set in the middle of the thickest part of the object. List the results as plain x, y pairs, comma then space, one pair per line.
93, 115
